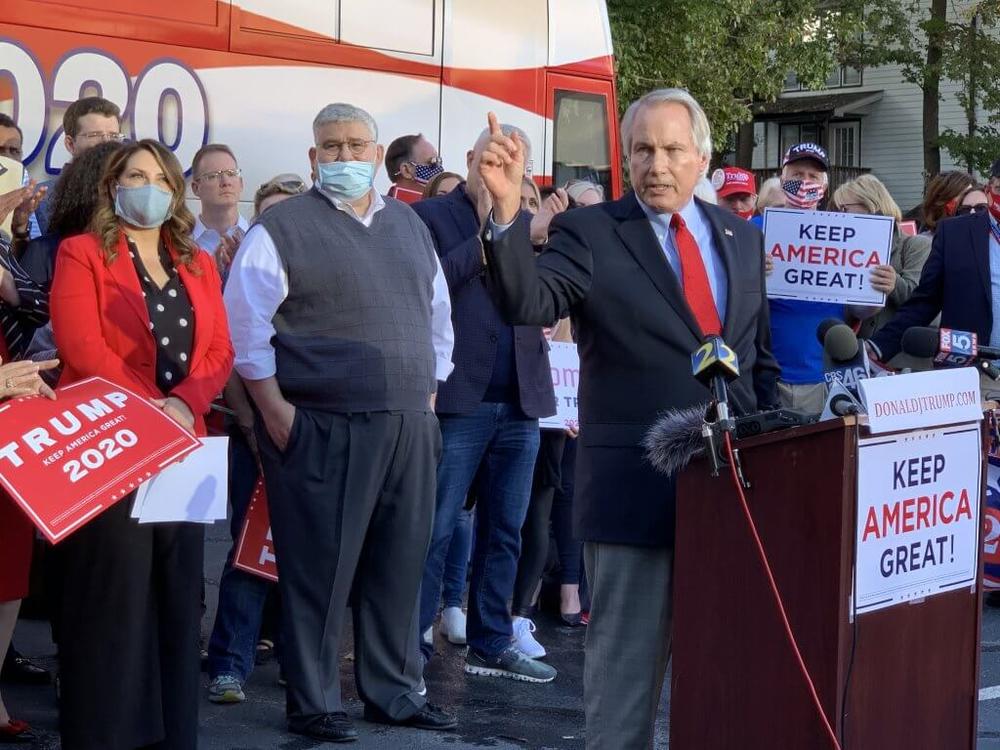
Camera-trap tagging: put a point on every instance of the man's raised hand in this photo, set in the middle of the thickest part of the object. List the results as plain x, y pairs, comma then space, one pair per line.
501, 169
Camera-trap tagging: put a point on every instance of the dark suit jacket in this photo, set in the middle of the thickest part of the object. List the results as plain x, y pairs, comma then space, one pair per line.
955, 282
636, 333
101, 325
454, 226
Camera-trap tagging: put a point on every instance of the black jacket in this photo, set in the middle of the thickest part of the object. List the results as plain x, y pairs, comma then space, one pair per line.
454, 227
636, 333
955, 282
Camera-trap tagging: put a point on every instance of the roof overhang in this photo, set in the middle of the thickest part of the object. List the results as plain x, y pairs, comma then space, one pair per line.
818, 104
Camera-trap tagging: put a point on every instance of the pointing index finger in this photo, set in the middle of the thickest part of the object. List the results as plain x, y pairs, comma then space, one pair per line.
494, 125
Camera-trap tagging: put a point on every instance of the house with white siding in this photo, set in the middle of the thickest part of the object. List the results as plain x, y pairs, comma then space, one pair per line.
869, 121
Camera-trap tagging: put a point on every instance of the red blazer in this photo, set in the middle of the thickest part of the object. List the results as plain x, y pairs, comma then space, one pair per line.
101, 324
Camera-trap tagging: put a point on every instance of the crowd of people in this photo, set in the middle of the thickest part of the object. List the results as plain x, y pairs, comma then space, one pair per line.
383, 365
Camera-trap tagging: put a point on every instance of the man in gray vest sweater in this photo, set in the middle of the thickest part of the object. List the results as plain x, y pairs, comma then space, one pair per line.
341, 321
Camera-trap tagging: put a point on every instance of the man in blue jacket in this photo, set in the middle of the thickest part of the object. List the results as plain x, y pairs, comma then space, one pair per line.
488, 410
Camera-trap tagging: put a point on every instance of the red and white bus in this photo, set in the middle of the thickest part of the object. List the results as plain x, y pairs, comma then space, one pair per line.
253, 73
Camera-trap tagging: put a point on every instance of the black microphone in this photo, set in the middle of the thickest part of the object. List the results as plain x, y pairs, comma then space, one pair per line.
844, 360
823, 328
842, 405
951, 348
714, 364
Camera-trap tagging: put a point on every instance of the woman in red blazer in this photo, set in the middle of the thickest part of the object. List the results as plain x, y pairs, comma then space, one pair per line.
136, 302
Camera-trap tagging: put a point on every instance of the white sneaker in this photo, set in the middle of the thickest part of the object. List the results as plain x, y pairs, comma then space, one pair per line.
524, 641
453, 625
429, 636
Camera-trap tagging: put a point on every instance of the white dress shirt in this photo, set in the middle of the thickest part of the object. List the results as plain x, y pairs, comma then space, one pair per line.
208, 239
258, 285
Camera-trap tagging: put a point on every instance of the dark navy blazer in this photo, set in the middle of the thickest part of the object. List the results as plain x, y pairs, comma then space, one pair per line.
955, 282
454, 226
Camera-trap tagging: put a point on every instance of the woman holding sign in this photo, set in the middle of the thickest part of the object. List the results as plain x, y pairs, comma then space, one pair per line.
136, 302
867, 195
22, 307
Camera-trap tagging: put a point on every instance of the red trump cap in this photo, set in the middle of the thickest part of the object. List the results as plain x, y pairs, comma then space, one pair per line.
730, 180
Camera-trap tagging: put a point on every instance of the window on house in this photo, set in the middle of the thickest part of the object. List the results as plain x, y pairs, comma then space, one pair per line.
845, 144
852, 76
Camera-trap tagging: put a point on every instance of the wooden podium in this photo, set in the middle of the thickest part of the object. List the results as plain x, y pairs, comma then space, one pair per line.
901, 677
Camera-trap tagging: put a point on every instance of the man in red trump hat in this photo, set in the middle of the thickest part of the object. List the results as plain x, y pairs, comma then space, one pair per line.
737, 190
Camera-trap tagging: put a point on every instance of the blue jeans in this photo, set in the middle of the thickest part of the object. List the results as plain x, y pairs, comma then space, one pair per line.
456, 564
233, 645
506, 441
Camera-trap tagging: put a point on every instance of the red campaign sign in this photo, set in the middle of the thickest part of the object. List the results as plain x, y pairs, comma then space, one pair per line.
255, 550
75, 457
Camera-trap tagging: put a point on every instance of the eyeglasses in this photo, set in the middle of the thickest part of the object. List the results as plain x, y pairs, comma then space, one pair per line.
357, 146
12, 152
285, 186
979, 208
216, 176
98, 135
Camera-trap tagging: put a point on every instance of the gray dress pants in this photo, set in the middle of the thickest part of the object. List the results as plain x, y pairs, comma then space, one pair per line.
628, 642
352, 506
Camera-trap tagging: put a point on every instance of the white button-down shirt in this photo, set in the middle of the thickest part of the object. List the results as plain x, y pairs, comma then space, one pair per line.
258, 285
208, 239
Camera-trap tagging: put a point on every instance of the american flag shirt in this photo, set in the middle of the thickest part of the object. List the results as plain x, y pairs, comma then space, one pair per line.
803, 193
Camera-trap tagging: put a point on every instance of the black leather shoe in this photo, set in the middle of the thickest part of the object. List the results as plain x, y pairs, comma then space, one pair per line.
429, 717
335, 727
21, 670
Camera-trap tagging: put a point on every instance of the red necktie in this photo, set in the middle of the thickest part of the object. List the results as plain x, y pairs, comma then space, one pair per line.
694, 278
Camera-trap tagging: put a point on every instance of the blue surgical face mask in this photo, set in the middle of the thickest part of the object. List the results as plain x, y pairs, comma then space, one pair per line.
347, 180
146, 206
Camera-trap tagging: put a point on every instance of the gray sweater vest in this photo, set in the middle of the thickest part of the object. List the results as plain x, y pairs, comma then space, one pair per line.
354, 332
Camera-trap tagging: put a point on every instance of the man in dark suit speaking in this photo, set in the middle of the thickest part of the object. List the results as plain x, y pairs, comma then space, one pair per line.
645, 279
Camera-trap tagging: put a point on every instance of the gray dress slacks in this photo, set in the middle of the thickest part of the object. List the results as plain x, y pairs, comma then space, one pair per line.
352, 507
628, 642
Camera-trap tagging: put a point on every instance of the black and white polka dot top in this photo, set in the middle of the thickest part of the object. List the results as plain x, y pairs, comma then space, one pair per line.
171, 320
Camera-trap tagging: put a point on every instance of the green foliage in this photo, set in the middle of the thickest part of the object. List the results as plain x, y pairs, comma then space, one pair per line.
732, 53
972, 57
727, 53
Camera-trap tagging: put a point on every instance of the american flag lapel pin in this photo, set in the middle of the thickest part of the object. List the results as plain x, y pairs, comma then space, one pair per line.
729, 232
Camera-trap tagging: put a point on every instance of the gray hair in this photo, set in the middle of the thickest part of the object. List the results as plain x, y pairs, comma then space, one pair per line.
343, 112
701, 132
507, 130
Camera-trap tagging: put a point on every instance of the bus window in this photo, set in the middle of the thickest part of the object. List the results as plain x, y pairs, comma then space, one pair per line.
580, 139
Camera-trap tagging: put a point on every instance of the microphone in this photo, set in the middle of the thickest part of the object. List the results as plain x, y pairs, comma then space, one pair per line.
951, 348
714, 364
675, 438
840, 402
844, 361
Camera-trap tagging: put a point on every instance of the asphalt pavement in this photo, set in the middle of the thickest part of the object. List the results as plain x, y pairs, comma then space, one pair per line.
497, 714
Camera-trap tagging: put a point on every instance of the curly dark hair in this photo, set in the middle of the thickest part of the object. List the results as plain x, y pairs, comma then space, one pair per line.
74, 198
